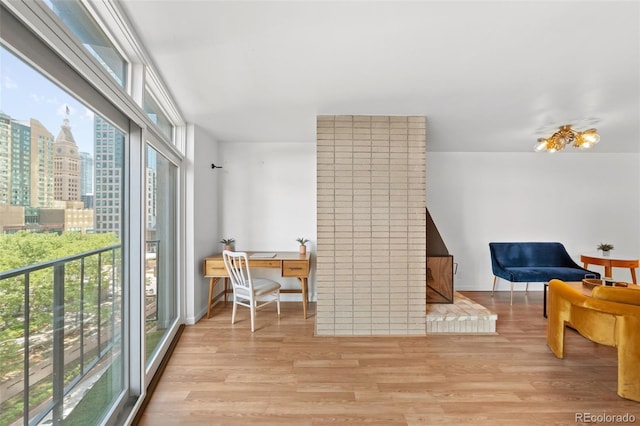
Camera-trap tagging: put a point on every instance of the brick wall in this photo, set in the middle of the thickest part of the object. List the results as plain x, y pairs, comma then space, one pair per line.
371, 251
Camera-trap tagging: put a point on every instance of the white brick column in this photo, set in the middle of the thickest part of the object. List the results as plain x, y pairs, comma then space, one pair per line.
371, 251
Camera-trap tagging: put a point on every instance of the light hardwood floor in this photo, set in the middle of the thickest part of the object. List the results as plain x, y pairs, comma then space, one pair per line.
284, 375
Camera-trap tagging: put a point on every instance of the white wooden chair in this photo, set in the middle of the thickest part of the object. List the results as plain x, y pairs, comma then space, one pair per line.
254, 293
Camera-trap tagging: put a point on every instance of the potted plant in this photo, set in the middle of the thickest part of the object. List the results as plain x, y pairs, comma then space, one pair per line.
303, 247
605, 248
228, 243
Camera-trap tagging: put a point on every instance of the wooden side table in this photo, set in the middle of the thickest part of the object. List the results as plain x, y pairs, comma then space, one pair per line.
610, 262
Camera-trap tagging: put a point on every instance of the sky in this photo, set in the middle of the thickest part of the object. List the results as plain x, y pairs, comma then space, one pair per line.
26, 94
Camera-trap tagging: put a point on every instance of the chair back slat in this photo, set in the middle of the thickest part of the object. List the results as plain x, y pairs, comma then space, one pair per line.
237, 264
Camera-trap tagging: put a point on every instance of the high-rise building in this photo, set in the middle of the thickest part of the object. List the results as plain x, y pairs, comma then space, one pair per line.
67, 165
41, 165
26, 163
151, 200
86, 179
5, 159
29, 173
108, 144
86, 173
20, 164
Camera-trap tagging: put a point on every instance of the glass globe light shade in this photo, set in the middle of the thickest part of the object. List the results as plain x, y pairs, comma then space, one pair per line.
591, 136
585, 145
541, 145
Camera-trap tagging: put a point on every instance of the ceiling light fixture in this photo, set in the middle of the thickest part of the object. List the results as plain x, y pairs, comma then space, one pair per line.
568, 136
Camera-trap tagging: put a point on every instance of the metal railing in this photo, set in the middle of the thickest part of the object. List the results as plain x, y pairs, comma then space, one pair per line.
84, 324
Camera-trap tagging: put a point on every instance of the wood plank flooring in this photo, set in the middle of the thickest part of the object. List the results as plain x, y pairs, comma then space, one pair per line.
284, 375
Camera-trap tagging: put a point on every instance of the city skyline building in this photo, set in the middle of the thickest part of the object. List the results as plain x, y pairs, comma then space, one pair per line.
152, 207
33, 163
86, 173
26, 163
42, 180
108, 150
5, 159
66, 165
86, 179
20, 170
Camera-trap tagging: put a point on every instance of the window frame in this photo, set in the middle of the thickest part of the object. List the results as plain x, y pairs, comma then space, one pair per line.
34, 33
118, 27
86, 5
149, 99
48, 27
161, 148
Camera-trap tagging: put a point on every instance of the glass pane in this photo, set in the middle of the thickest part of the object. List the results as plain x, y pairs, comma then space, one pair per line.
160, 269
157, 116
82, 24
62, 313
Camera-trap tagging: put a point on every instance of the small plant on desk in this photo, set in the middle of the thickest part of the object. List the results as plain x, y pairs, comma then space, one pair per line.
228, 243
605, 248
303, 247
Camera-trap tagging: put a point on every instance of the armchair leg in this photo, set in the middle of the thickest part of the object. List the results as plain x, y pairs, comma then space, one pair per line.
494, 285
526, 288
511, 302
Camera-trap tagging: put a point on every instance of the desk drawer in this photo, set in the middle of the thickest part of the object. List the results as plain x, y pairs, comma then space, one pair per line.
216, 272
264, 263
215, 268
295, 268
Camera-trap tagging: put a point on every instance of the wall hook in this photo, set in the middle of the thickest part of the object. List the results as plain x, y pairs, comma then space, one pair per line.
213, 166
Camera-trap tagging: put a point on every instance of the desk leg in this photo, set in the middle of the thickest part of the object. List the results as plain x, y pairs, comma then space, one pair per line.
212, 284
226, 286
303, 285
607, 272
633, 275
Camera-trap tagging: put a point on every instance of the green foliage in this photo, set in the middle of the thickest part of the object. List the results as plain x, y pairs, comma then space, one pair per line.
303, 241
605, 247
27, 249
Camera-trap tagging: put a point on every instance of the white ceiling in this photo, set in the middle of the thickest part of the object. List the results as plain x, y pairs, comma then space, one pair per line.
489, 76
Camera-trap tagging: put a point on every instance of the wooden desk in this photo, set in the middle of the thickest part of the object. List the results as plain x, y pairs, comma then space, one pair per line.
611, 262
291, 264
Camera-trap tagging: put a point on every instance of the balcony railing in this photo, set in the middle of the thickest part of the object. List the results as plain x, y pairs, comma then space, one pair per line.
61, 337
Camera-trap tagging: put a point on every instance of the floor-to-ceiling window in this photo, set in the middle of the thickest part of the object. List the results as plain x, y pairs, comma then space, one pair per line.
89, 266
161, 297
61, 288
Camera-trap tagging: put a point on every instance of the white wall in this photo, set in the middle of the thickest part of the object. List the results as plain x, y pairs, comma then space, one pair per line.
201, 218
268, 199
579, 199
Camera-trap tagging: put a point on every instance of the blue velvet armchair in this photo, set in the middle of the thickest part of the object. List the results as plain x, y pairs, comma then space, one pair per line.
527, 262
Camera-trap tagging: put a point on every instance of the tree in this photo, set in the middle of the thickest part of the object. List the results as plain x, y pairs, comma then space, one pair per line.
27, 249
